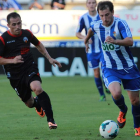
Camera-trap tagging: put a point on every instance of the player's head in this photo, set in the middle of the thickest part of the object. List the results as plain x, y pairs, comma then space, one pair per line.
91, 5
14, 23
106, 12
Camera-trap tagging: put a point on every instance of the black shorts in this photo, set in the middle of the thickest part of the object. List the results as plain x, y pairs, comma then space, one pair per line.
22, 85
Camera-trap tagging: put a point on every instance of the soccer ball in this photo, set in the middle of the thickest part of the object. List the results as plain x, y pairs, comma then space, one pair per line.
109, 129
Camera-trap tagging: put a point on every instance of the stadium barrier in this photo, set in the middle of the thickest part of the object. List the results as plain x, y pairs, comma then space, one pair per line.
73, 62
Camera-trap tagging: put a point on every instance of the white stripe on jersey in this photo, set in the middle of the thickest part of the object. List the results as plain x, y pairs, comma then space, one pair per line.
107, 61
87, 24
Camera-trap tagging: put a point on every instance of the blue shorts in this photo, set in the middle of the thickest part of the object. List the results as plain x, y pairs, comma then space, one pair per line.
94, 59
130, 78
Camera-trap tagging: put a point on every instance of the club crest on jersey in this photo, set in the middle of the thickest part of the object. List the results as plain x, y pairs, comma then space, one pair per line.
25, 39
114, 34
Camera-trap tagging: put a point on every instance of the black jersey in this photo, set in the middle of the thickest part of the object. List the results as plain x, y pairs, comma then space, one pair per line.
11, 46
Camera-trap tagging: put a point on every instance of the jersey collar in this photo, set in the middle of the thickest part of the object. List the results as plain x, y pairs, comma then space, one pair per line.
14, 35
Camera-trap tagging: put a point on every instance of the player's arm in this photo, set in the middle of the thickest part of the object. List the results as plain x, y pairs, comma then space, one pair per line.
42, 49
125, 33
80, 36
16, 60
124, 42
44, 52
81, 26
5, 61
88, 36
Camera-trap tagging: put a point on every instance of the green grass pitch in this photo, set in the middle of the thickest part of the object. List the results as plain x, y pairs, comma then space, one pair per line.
77, 111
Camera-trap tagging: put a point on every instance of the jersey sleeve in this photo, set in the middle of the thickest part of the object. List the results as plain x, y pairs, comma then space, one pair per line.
2, 46
81, 25
124, 29
33, 39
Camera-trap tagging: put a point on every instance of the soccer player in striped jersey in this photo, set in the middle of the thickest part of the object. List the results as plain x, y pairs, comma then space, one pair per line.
118, 65
94, 54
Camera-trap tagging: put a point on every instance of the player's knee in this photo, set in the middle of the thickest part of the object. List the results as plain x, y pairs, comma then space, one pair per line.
37, 90
29, 104
135, 102
96, 73
117, 95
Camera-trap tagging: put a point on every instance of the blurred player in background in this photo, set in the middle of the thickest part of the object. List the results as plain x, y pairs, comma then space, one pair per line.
117, 64
94, 54
20, 68
11, 5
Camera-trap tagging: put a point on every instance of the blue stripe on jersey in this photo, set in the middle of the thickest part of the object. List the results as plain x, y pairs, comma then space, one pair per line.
98, 17
122, 59
19, 6
127, 28
124, 29
81, 25
113, 62
130, 54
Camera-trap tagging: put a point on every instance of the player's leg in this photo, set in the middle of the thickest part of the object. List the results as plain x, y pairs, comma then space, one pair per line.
133, 86
99, 84
45, 102
24, 92
114, 85
34, 102
106, 89
118, 99
93, 62
134, 98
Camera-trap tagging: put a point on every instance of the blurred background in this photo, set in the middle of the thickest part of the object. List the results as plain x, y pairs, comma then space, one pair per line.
80, 4
54, 23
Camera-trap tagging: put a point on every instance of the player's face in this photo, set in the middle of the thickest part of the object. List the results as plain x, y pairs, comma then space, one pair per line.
91, 5
15, 25
106, 16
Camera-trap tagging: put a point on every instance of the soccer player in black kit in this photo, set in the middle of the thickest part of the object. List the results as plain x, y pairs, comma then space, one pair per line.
20, 68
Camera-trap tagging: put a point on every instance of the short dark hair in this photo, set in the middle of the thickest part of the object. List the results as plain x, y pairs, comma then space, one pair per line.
13, 15
104, 5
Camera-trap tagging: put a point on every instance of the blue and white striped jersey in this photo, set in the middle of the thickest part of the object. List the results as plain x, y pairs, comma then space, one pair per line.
11, 4
84, 23
114, 56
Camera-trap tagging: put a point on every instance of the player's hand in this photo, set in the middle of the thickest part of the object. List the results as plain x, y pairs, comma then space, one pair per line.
55, 62
87, 47
18, 59
110, 40
90, 41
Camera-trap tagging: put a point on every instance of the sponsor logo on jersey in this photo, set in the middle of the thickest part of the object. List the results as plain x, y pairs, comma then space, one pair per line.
10, 41
25, 39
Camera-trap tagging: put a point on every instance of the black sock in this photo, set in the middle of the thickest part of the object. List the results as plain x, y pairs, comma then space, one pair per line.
36, 104
45, 103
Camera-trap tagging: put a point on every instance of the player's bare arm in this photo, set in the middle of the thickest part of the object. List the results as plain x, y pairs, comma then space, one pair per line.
86, 41
125, 42
43, 51
16, 60
80, 36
